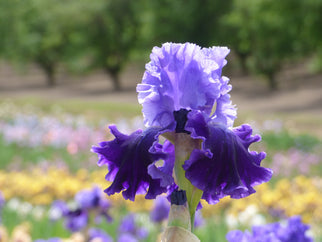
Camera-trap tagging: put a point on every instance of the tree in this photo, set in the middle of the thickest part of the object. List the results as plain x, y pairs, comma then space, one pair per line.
39, 31
266, 33
112, 34
188, 21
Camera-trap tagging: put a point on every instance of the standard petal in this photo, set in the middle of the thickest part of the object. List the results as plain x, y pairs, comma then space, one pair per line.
224, 166
128, 158
181, 76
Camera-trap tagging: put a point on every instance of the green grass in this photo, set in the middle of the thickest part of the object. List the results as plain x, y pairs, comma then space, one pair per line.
285, 140
13, 155
94, 111
39, 228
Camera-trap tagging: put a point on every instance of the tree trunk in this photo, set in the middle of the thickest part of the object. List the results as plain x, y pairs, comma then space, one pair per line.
242, 60
272, 82
50, 71
51, 81
115, 79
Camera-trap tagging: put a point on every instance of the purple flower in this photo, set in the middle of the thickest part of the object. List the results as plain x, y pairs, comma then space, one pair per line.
183, 76
185, 99
160, 210
224, 166
95, 234
127, 238
199, 220
94, 199
2, 202
49, 240
129, 231
294, 231
87, 203
88, 199
128, 158
76, 220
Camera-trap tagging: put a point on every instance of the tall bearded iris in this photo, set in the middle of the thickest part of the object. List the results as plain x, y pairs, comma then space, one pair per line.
185, 99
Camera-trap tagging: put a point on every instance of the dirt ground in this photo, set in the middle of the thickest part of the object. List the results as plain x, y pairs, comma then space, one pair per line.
298, 102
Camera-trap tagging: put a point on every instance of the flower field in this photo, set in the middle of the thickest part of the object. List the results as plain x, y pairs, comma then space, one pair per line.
46, 167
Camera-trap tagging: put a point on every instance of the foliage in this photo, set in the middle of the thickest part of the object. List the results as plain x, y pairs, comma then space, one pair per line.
187, 21
267, 34
40, 32
80, 37
111, 34
73, 33
285, 140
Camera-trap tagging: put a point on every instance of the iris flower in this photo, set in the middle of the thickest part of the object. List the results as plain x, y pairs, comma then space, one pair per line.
130, 231
2, 202
160, 211
88, 202
293, 231
185, 99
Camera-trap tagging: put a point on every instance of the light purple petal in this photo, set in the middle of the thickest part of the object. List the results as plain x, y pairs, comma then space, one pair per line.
164, 173
92, 198
225, 112
293, 231
160, 210
181, 76
99, 235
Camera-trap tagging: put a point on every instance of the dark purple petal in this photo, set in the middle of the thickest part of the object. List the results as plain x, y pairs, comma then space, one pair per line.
224, 166
128, 158
181, 76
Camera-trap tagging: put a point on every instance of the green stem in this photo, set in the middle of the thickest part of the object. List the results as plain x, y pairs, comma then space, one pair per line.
184, 145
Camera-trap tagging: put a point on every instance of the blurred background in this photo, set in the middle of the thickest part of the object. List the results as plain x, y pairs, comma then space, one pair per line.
70, 67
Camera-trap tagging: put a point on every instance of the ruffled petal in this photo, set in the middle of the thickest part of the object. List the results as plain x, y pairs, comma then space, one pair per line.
181, 76
225, 112
164, 173
224, 166
128, 158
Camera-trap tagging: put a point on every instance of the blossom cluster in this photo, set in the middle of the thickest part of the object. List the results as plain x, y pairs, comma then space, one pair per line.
298, 196
36, 188
87, 203
291, 163
33, 131
293, 231
35, 128
40, 186
185, 100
